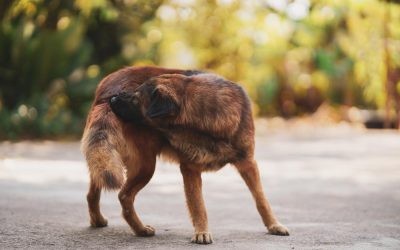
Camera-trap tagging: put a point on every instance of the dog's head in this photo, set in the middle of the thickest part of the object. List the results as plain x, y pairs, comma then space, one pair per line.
159, 97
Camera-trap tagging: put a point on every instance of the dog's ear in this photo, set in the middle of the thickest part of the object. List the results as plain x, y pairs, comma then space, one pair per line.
162, 103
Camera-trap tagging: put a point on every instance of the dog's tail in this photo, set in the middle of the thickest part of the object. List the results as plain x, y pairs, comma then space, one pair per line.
101, 146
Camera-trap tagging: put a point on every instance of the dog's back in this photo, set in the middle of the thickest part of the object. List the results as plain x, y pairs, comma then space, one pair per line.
213, 104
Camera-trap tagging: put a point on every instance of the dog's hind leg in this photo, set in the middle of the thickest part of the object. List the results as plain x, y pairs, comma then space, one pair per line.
93, 199
136, 180
249, 171
194, 199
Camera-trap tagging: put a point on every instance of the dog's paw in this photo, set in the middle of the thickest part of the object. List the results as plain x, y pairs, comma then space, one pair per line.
202, 238
278, 229
146, 231
98, 222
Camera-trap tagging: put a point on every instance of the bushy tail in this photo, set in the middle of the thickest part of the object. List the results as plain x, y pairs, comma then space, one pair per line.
100, 145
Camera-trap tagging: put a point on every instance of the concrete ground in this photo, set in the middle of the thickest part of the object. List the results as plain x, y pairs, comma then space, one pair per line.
333, 188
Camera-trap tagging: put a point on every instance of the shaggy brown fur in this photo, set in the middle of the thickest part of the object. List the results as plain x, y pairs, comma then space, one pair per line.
208, 123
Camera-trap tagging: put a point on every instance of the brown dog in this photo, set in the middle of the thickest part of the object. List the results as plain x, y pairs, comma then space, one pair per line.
208, 123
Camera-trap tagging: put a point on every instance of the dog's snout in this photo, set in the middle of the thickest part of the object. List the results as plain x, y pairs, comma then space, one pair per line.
114, 99
123, 97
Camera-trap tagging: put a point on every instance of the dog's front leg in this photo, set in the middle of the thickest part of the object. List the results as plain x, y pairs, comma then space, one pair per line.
195, 203
249, 171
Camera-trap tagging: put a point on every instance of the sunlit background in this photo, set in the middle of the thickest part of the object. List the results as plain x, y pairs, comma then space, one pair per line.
293, 57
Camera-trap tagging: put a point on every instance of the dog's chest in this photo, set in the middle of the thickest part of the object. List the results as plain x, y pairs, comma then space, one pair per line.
202, 149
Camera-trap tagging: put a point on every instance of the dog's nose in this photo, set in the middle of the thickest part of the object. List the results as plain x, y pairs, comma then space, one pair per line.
114, 99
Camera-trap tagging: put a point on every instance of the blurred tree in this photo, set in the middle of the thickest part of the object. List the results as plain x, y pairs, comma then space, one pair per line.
392, 73
291, 56
52, 55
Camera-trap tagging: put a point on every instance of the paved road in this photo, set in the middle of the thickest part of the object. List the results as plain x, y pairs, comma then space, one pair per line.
334, 190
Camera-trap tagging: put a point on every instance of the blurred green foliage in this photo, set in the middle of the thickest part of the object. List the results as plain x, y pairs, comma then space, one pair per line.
290, 55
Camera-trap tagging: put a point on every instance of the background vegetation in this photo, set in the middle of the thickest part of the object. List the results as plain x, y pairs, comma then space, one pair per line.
291, 56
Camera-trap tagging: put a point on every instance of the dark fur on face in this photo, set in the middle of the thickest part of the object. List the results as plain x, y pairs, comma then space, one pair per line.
126, 108
147, 101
